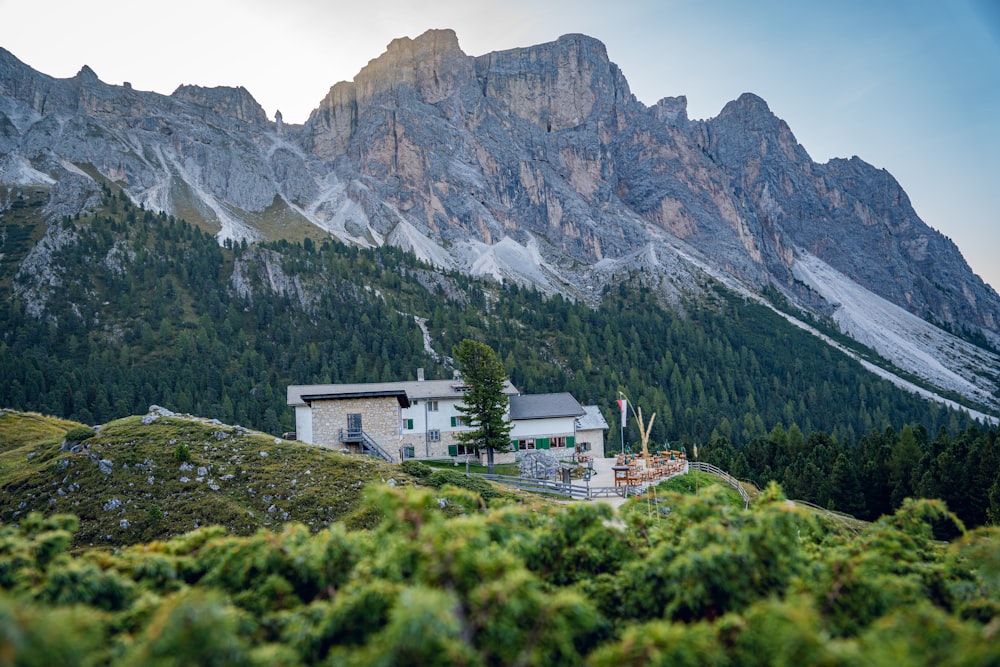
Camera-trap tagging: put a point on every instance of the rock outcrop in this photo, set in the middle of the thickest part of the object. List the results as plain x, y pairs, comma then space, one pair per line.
235, 103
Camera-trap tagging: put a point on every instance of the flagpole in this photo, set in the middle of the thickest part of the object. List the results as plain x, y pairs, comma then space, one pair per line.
621, 416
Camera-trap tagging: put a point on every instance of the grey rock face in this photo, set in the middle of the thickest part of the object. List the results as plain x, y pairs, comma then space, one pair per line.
533, 164
235, 103
851, 215
35, 281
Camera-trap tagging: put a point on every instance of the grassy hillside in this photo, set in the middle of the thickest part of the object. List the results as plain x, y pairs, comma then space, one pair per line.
150, 477
695, 482
136, 481
21, 429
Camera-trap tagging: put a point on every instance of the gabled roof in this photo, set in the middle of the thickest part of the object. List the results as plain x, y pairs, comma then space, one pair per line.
544, 406
591, 421
412, 390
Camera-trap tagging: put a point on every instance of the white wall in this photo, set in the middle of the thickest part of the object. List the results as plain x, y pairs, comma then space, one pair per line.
303, 424
424, 419
543, 428
596, 439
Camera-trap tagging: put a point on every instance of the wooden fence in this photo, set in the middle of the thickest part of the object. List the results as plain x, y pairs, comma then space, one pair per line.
710, 469
586, 491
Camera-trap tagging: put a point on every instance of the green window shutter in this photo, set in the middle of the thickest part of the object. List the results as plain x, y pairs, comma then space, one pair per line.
542, 443
409, 424
453, 421
452, 450
513, 445
571, 441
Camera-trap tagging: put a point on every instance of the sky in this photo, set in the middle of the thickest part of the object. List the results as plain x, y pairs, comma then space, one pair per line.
911, 86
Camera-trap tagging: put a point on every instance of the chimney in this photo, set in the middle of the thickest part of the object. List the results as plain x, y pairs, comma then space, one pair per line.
420, 375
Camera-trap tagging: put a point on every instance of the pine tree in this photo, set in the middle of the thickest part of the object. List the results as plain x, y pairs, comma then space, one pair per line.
484, 403
846, 492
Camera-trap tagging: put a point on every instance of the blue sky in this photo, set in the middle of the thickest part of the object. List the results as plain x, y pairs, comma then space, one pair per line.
912, 86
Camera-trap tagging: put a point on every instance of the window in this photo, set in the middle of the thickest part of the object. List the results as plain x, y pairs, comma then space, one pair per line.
528, 443
460, 450
433, 435
461, 420
432, 406
559, 441
408, 424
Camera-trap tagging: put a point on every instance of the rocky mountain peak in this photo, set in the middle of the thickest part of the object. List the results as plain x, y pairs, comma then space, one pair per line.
750, 116
429, 44
432, 64
558, 85
86, 74
747, 103
584, 43
235, 103
747, 127
672, 110
427, 69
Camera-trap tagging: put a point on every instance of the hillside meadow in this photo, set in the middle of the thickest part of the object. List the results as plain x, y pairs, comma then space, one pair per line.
163, 474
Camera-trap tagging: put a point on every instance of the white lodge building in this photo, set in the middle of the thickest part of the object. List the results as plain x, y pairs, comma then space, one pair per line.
420, 419
544, 421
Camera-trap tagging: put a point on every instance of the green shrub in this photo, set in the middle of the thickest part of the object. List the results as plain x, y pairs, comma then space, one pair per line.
81, 582
440, 478
182, 453
436, 577
192, 627
154, 515
365, 517
416, 469
79, 434
32, 634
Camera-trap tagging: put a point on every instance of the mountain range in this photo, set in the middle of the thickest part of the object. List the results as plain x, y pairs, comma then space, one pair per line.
533, 165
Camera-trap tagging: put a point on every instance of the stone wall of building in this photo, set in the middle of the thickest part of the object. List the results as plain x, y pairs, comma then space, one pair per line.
380, 419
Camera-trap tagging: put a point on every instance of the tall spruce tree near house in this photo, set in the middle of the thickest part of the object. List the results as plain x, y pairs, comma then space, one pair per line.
484, 404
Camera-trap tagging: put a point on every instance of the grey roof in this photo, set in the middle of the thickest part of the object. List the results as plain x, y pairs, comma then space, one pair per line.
591, 421
311, 395
543, 406
411, 390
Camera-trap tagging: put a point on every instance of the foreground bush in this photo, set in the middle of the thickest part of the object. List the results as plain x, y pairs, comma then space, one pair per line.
443, 580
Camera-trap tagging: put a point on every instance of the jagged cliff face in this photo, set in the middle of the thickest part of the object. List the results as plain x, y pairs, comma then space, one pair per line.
534, 164
854, 217
511, 145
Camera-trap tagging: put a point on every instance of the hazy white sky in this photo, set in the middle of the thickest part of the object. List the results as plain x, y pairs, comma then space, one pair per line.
910, 86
